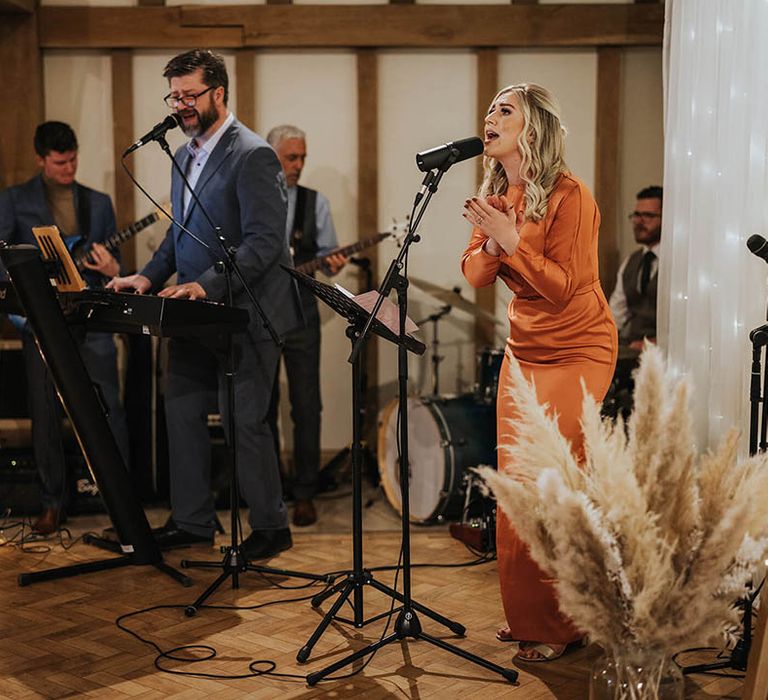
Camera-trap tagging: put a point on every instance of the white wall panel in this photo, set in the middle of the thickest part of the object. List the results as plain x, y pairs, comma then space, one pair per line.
642, 135
428, 98
572, 76
73, 81
317, 91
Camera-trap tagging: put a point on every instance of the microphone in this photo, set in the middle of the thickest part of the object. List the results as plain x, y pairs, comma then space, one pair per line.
155, 133
443, 157
758, 245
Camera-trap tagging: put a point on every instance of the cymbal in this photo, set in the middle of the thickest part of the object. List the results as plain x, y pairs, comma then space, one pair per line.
452, 297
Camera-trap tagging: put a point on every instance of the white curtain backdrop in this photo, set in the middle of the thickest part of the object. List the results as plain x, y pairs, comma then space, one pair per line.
712, 290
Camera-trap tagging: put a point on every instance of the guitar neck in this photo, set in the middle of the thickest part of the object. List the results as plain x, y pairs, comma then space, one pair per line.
314, 265
116, 239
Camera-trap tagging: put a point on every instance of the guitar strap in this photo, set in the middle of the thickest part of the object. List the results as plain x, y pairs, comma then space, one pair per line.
303, 239
83, 205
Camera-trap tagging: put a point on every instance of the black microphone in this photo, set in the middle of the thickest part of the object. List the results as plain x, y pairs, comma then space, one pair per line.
443, 157
758, 245
156, 132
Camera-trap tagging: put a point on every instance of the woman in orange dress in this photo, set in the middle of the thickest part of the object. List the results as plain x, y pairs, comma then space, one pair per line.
535, 228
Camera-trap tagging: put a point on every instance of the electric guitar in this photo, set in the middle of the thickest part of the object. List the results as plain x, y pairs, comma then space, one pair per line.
81, 251
397, 230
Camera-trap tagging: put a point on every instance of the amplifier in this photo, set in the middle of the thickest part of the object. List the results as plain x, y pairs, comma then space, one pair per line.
20, 485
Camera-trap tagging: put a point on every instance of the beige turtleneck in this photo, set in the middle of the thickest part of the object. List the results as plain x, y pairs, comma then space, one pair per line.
61, 201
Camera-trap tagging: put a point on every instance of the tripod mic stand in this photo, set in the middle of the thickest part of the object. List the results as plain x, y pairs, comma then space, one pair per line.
757, 415
234, 561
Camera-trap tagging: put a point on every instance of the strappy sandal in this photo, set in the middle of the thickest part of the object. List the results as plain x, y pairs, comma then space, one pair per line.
546, 652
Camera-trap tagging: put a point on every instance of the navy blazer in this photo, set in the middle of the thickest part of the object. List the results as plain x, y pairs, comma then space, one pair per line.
24, 206
242, 187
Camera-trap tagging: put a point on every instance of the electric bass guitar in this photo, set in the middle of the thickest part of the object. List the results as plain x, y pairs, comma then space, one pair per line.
397, 231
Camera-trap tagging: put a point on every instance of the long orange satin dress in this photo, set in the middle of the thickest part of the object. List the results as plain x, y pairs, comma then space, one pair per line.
560, 330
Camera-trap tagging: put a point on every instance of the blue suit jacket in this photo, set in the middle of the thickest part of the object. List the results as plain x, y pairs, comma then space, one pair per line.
24, 206
242, 188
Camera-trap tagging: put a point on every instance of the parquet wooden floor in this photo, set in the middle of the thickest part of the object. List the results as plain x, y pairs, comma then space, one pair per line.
58, 639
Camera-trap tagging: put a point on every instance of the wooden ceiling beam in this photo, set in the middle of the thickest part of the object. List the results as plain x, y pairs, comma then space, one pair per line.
393, 25
142, 27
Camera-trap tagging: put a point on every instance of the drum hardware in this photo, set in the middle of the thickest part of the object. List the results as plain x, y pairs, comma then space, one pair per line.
454, 298
436, 358
619, 399
487, 371
477, 528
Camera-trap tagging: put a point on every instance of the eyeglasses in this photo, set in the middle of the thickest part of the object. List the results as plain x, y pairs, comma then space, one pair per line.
644, 215
174, 101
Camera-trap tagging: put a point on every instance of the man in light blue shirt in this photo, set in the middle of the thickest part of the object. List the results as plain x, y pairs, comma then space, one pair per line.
310, 234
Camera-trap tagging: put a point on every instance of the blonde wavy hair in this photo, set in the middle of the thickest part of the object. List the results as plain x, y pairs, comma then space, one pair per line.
542, 147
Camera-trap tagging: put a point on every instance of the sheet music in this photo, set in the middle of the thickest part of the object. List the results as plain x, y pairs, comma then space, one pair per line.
388, 313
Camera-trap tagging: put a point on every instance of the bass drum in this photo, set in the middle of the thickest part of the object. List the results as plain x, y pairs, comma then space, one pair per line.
446, 436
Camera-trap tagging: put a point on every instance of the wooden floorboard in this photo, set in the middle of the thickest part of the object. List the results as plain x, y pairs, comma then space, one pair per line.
58, 639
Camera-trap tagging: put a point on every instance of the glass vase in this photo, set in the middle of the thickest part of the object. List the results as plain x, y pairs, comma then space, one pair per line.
639, 676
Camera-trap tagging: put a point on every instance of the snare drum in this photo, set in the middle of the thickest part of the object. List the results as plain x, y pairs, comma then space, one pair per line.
446, 436
487, 370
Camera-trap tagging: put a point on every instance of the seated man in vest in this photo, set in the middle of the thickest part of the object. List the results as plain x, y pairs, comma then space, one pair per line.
633, 301
311, 234
83, 216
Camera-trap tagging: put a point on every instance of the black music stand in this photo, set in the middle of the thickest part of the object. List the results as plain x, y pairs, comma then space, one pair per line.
359, 577
136, 544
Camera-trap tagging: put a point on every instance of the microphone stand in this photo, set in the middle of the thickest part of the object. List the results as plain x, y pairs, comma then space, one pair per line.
234, 561
739, 655
407, 624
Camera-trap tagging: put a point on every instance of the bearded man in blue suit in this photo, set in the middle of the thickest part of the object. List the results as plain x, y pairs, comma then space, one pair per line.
239, 181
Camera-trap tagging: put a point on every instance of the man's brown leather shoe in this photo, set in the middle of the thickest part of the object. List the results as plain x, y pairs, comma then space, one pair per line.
304, 512
48, 522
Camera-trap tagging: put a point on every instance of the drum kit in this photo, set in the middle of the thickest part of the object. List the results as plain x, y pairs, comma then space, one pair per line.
448, 434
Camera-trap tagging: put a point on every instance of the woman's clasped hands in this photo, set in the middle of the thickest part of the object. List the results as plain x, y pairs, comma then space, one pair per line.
497, 219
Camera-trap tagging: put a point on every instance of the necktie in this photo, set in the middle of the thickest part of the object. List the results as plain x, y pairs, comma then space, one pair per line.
645, 272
